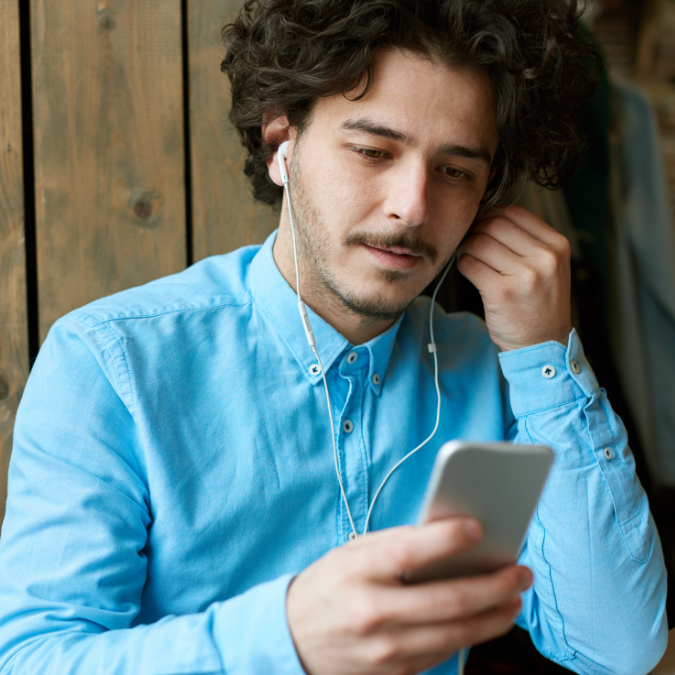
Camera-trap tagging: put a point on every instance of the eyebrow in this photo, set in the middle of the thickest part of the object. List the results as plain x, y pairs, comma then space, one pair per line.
368, 126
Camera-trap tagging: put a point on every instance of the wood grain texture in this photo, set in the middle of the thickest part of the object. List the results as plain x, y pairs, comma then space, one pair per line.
13, 320
109, 164
224, 213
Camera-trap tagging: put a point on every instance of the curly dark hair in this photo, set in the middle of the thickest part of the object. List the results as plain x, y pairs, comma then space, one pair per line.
283, 55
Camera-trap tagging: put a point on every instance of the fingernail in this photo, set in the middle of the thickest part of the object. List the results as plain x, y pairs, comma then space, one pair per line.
473, 529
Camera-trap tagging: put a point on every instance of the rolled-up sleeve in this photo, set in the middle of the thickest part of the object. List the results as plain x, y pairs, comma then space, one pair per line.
598, 601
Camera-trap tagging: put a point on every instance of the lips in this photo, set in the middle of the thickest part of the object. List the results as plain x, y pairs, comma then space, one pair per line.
398, 251
395, 258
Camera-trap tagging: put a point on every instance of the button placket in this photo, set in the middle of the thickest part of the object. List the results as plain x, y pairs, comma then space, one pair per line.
354, 471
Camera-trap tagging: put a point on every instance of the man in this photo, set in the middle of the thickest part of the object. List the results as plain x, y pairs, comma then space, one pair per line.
173, 505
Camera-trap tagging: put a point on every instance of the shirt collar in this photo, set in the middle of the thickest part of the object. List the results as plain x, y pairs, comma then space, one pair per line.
279, 304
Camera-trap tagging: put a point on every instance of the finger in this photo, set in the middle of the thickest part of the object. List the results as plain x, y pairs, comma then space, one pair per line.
426, 645
511, 235
449, 600
387, 553
492, 252
482, 276
525, 219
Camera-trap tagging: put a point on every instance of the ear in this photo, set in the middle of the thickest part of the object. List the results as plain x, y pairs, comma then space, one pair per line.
275, 130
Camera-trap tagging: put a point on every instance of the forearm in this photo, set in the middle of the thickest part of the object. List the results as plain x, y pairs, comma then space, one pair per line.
247, 634
598, 602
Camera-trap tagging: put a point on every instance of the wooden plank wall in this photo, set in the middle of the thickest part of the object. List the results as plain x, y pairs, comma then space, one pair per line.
109, 140
109, 165
13, 320
225, 215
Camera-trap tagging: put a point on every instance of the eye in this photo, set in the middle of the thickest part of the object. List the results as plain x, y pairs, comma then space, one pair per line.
454, 173
369, 153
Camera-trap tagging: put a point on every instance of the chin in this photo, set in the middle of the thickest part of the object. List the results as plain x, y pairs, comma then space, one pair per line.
378, 306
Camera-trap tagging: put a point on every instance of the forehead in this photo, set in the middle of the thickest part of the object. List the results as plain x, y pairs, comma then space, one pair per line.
430, 102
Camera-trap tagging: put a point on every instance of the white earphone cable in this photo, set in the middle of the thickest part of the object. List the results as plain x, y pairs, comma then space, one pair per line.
312, 343
460, 661
310, 334
432, 349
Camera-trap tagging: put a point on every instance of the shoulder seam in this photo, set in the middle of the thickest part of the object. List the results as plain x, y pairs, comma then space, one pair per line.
127, 389
150, 315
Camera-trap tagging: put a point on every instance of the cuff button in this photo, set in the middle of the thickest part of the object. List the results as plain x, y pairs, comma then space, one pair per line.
548, 372
608, 453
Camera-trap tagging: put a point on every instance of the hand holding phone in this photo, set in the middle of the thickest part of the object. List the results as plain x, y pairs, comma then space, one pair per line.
349, 613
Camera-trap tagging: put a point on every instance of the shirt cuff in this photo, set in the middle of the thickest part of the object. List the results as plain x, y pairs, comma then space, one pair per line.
547, 375
252, 632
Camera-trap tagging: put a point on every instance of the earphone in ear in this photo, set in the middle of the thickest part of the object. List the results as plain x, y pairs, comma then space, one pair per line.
282, 156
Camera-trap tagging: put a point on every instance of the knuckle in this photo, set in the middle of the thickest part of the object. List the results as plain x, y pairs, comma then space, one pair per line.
499, 223
398, 555
383, 651
565, 247
531, 278
549, 260
503, 295
365, 617
460, 602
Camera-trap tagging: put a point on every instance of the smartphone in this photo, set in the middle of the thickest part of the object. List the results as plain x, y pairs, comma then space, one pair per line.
499, 485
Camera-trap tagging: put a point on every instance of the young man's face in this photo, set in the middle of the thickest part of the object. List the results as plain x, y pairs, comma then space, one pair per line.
384, 188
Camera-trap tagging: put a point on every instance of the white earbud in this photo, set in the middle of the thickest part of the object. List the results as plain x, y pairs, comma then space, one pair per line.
282, 156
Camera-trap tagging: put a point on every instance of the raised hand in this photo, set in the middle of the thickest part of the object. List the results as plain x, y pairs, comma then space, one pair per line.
521, 267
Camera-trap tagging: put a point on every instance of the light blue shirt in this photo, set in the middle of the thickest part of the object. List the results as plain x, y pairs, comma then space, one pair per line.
172, 470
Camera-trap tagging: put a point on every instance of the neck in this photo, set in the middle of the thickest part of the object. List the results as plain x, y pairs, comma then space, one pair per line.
355, 328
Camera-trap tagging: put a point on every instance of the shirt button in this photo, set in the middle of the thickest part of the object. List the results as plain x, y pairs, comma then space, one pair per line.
315, 370
548, 372
608, 453
352, 358
348, 426
352, 535
576, 368
376, 378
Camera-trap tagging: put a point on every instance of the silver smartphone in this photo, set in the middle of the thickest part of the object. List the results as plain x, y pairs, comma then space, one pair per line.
499, 485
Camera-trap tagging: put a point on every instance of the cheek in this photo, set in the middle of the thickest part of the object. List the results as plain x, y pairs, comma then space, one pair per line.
347, 197
453, 216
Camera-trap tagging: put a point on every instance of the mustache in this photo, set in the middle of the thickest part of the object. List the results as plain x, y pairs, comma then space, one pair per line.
416, 245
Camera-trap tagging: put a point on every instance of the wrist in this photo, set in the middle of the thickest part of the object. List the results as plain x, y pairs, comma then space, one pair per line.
561, 336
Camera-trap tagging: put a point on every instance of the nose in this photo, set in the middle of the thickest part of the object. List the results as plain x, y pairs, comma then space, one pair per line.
407, 201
